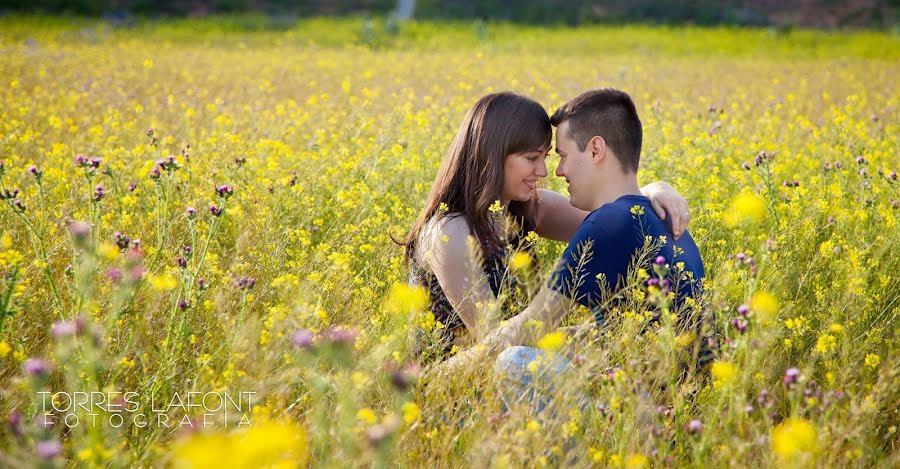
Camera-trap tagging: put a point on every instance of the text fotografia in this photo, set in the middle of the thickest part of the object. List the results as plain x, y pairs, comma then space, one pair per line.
116, 408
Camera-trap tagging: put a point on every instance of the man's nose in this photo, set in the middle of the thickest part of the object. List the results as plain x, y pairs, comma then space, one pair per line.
560, 171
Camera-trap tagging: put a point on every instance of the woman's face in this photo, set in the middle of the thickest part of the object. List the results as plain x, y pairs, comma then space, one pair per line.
521, 172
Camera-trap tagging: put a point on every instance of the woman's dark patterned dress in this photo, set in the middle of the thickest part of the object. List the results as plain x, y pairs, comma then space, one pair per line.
505, 286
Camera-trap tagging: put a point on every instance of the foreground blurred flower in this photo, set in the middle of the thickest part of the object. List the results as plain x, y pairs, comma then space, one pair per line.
552, 341
695, 427
404, 299
793, 439
48, 449
746, 209
724, 373
520, 261
270, 444
791, 376
302, 338
764, 304
381, 432
37, 367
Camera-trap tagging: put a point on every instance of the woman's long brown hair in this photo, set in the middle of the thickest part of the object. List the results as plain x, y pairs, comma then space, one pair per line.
471, 177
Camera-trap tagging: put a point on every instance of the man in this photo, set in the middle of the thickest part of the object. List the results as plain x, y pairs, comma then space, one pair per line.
598, 139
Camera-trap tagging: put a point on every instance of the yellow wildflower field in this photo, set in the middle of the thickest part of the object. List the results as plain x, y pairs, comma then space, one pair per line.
198, 269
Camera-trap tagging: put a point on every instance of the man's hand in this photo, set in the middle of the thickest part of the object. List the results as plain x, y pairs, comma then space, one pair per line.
666, 200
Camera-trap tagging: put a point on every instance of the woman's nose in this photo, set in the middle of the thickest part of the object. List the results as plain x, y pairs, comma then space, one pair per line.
542, 170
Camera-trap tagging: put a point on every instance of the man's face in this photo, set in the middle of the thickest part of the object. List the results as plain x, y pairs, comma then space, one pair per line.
576, 166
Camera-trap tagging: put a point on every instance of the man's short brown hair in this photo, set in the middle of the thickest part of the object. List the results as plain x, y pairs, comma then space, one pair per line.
609, 113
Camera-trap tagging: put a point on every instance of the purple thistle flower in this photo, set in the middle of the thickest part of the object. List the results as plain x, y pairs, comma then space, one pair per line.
201, 284
240, 161
741, 257
743, 310
749, 409
660, 261
653, 282
62, 329
94, 162
746, 166
37, 367
131, 187
404, 378
122, 240
19, 205
48, 449
37, 173
830, 220
188, 252
155, 173
191, 213
838, 164
2, 168
7, 194
183, 304
14, 423
81, 160
302, 338
99, 193
114, 275
245, 283
225, 191
892, 176
695, 427
215, 210
791, 376
341, 335
739, 325
861, 160
181, 262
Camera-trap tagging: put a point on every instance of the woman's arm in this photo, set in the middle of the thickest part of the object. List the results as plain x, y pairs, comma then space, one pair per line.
454, 257
557, 219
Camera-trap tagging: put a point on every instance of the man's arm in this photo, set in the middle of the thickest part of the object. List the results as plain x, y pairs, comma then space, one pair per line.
557, 219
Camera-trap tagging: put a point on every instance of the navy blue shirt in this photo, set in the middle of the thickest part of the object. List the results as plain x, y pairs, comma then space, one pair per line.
600, 253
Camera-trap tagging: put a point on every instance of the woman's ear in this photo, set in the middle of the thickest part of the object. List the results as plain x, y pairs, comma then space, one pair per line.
597, 147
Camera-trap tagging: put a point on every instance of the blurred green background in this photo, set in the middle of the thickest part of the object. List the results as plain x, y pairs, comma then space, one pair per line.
878, 14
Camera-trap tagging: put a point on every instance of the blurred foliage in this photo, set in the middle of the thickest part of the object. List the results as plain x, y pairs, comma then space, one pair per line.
815, 13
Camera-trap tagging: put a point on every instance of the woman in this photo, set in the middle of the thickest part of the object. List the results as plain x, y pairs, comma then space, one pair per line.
492, 169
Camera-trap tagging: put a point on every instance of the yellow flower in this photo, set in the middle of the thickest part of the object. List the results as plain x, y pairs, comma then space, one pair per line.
520, 261
836, 328
872, 360
793, 438
163, 282
746, 209
636, 461
764, 304
496, 207
826, 343
4, 349
366, 415
552, 341
403, 298
637, 210
266, 444
411, 412
723, 373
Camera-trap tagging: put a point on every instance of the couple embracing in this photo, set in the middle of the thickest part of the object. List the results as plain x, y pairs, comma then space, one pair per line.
486, 200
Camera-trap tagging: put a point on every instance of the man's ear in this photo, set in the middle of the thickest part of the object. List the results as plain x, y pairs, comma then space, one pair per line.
597, 147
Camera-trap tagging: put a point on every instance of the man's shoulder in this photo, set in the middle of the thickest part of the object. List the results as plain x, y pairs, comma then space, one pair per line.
619, 218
